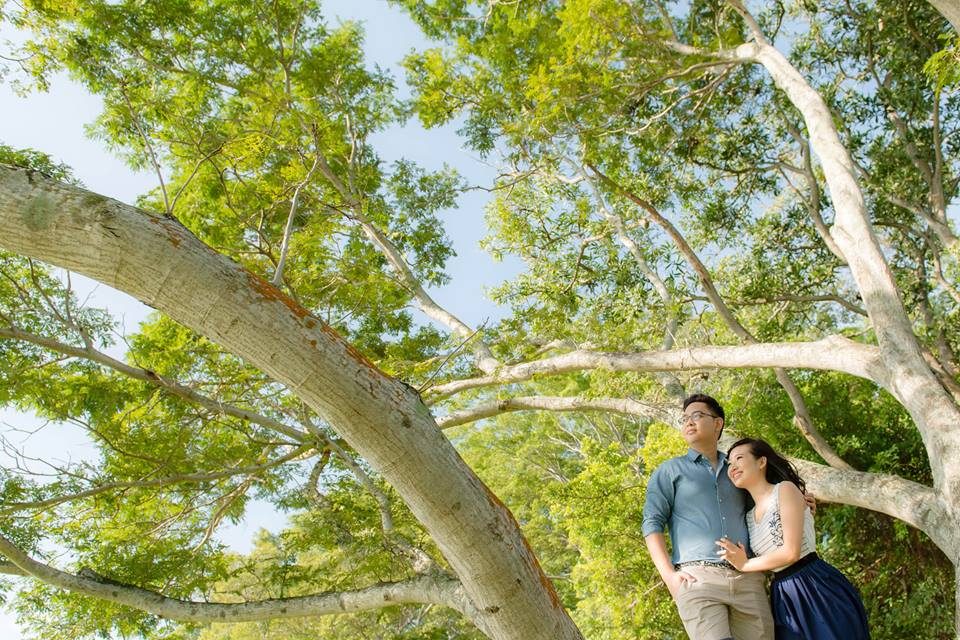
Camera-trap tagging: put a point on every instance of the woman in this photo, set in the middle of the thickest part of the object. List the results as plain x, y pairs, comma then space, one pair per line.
811, 600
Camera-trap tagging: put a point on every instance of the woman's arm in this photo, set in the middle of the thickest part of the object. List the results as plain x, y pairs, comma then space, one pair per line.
792, 505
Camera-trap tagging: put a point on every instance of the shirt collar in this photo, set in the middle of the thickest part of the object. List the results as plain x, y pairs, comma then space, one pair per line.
693, 455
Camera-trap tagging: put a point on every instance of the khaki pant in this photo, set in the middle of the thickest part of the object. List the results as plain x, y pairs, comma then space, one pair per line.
724, 603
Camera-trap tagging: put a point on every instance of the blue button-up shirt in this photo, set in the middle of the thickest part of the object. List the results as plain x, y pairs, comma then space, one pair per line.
697, 503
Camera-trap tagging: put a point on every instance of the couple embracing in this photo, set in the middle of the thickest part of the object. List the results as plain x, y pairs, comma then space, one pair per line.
732, 517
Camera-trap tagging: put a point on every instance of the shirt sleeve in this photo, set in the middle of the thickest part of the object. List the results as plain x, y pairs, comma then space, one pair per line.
659, 503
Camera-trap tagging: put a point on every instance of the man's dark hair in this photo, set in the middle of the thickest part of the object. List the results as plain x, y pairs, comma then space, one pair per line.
711, 402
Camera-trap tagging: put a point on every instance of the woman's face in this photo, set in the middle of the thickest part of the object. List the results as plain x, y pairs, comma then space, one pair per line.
744, 468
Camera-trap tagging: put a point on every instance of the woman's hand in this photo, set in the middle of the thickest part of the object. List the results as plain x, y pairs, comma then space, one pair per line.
735, 554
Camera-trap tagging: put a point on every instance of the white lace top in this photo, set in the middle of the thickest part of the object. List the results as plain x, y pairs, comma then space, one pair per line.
767, 535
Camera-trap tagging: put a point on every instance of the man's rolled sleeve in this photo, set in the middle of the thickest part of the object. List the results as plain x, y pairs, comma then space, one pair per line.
659, 503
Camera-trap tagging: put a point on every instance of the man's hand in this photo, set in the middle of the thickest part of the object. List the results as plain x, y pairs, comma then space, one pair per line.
676, 579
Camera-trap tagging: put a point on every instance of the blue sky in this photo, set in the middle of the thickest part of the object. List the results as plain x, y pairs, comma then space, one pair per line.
54, 122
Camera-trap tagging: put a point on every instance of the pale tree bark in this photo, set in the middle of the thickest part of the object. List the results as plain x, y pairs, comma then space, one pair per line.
834, 353
428, 589
914, 503
156, 260
949, 9
623, 406
912, 381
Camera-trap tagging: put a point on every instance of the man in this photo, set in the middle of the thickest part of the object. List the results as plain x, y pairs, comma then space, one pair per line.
693, 497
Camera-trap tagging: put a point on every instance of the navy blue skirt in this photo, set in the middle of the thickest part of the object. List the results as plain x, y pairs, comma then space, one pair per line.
812, 600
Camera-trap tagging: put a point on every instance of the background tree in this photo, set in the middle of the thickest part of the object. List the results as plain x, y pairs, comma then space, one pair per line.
694, 211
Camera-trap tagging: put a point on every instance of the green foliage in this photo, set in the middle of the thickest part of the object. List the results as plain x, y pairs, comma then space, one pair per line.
577, 486
902, 576
37, 161
943, 67
260, 117
248, 108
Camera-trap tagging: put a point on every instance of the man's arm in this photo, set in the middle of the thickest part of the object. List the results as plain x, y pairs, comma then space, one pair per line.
657, 546
656, 512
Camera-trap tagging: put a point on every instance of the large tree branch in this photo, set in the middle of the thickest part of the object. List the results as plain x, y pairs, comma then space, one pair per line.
426, 589
833, 353
625, 406
911, 379
914, 503
158, 261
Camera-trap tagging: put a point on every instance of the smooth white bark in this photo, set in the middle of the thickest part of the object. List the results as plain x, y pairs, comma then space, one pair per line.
625, 406
914, 503
949, 9
910, 378
834, 353
421, 590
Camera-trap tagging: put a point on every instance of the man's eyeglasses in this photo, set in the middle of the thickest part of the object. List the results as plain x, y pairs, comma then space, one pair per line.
696, 415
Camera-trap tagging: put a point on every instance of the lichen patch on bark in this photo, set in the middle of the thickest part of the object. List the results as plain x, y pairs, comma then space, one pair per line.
39, 212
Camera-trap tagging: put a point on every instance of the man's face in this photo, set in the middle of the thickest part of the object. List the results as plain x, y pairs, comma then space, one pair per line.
699, 424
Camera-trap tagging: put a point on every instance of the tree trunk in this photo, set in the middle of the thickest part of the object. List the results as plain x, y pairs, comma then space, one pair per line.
949, 9
156, 260
912, 381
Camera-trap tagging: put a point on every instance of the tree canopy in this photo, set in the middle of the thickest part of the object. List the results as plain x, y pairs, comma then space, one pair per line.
756, 201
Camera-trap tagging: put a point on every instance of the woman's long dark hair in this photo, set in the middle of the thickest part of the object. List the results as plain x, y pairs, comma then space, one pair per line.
778, 469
